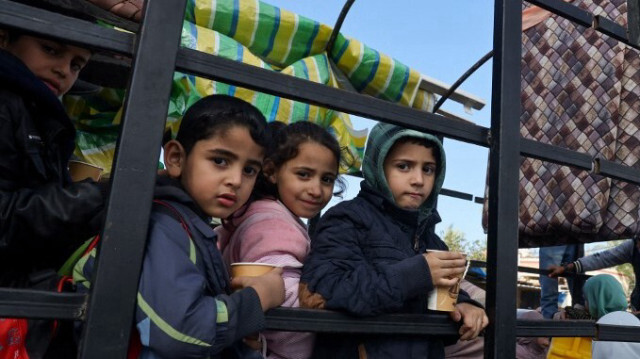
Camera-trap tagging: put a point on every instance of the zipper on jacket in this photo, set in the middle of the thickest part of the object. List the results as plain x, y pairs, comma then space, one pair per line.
416, 245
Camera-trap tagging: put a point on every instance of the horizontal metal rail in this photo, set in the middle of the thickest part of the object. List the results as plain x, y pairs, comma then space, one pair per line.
617, 333
71, 306
566, 10
612, 29
587, 19
546, 152
50, 24
617, 171
482, 264
325, 321
456, 194
23, 303
251, 77
556, 328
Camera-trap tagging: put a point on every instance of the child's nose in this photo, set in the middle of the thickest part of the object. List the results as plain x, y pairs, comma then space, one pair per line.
315, 188
62, 68
234, 178
417, 177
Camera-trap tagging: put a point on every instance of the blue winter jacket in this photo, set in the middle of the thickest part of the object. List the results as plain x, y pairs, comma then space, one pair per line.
185, 308
367, 258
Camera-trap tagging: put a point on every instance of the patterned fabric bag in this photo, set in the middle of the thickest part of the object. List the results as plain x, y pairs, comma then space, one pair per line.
579, 91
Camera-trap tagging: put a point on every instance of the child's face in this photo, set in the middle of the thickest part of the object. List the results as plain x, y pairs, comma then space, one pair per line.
410, 170
57, 65
219, 172
305, 182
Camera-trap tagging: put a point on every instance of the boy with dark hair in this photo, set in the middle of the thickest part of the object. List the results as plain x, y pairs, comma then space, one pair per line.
185, 305
368, 254
43, 215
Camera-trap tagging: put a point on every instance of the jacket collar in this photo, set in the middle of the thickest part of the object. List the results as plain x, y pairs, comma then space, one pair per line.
15, 76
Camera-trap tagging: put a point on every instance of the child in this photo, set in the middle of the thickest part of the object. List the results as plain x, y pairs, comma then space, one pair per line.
607, 303
43, 215
185, 307
300, 170
368, 255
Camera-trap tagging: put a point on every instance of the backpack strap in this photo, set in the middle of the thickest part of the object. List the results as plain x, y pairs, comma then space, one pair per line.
176, 214
217, 280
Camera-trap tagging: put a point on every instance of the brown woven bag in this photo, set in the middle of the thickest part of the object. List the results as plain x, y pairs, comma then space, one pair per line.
579, 91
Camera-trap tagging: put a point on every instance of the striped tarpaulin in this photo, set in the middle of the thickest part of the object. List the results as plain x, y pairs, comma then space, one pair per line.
265, 36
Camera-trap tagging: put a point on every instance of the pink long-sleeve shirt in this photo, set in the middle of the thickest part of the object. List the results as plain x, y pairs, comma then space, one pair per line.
267, 232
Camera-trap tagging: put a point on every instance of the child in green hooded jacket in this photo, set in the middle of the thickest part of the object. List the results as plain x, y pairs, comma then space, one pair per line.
368, 254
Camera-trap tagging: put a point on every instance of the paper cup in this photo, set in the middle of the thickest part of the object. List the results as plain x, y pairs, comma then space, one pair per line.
444, 299
82, 170
244, 269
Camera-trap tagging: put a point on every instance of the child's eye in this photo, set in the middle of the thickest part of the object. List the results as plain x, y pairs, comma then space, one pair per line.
303, 174
430, 170
220, 161
402, 166
75, 67
330, 180
250, 171
49, 49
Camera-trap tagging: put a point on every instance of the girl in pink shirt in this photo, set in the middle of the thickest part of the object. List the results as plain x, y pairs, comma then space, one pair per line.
298, 178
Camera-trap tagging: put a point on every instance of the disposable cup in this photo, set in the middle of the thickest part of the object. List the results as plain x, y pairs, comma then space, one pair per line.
82, 170
444, 298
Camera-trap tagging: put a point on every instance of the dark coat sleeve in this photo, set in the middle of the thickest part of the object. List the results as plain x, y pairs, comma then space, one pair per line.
47, 216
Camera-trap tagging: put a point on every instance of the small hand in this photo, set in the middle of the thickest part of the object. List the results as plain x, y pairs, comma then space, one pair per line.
253, 342
445, 267
555, 271
473, 319
270, 287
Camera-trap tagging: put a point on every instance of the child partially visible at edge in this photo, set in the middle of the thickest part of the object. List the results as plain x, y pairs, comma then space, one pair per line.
368, 254
44, 216
185, 305
299, 173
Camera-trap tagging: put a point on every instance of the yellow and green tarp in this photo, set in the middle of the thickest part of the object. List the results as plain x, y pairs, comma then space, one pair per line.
269, 37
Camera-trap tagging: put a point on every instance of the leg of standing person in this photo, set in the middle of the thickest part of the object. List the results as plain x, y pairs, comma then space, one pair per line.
549, 286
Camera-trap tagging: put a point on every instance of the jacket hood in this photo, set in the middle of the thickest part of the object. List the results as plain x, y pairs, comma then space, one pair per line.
380, 141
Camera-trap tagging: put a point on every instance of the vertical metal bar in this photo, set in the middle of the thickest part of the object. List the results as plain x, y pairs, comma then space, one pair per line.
502, 246
111, 305
633, 21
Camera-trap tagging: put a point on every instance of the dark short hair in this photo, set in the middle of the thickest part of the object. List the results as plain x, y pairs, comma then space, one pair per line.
215, 114
284, 146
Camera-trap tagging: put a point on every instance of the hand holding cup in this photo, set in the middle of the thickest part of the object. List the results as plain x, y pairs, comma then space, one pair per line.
446, 267
266, 281
447, 270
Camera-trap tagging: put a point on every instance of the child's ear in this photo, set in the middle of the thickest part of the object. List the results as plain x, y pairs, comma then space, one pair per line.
174, 158
269, 171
